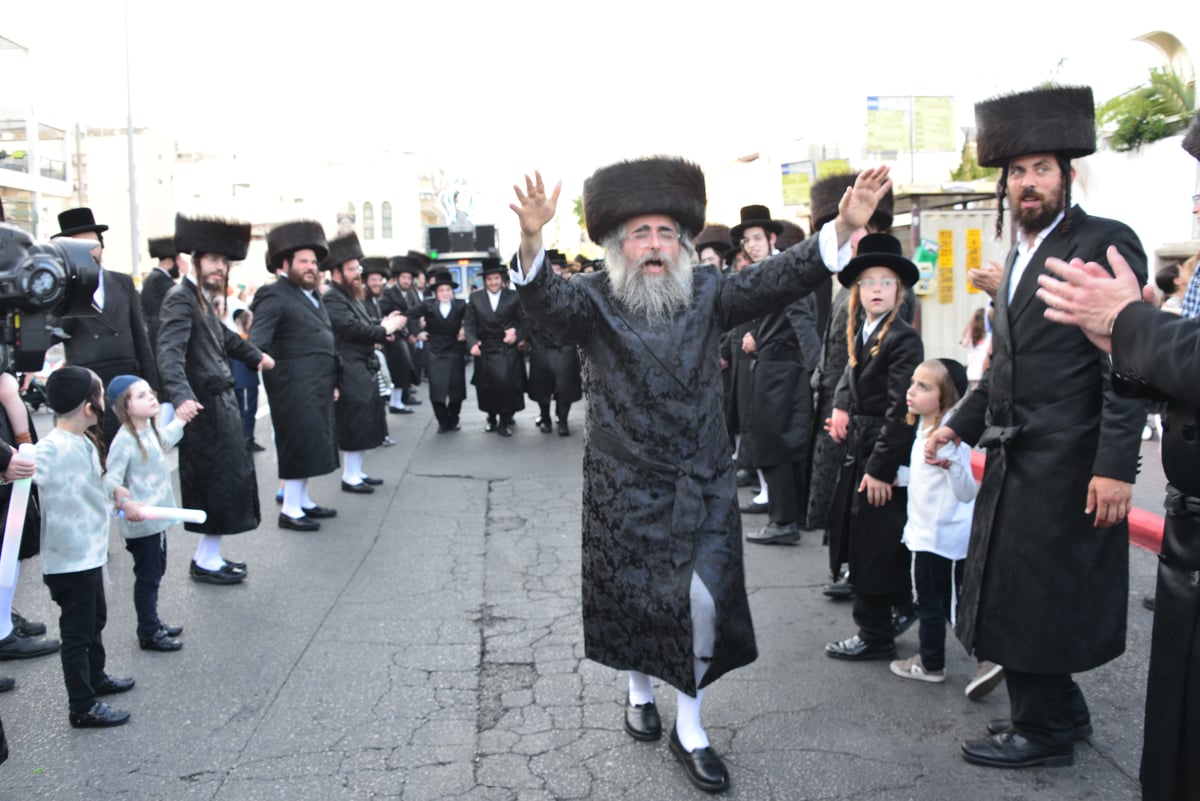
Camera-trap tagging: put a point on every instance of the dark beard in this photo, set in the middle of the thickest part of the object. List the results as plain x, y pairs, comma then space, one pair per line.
1034, 221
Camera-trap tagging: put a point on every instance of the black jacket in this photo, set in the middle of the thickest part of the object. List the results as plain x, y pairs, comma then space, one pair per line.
359, 412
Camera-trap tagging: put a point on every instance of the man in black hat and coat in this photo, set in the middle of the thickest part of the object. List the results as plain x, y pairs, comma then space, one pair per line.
359, 414
291, 324
401, 352
495, 328
1047, 573
159, 282
113, 342
663, 585
553, 371
442, 317
216, 469
1155, 356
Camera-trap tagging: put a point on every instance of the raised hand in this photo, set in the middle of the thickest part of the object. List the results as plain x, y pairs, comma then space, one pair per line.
860, 201
534, 209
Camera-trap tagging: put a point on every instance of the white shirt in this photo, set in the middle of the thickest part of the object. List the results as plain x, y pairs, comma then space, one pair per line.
444, 308
941, 501
493, 299
1025, 253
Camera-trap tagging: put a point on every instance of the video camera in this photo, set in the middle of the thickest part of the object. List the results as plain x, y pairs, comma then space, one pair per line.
38, 280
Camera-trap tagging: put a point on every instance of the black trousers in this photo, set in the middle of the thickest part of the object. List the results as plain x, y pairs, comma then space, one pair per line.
447, 413
873, 615
561, 411
785, 489
80, 597
1046, 709
247, 401
149, 564
934, 578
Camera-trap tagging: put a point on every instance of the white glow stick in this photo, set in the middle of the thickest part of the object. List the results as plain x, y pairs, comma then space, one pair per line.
172, 513
14, 526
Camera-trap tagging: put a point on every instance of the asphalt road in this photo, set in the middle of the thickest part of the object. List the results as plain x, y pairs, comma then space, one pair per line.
426, 644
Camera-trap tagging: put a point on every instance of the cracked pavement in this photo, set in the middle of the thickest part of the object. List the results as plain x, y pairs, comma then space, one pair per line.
426, 645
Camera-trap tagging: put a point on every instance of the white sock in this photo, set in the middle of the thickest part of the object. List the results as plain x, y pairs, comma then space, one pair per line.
641, 688
397, 398
305, 500
6, 599
208, 552
761, 497
737, 444
687, 721
352, 467
293, 497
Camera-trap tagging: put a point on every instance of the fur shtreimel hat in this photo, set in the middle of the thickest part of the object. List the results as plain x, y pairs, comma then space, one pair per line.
654, 185
715, 236
228, 238
879, 250
163, 247
1056, 119
421, 258
341, 250
407, 264
1191, 139
827, 193
755, 217
374, 264
285, 239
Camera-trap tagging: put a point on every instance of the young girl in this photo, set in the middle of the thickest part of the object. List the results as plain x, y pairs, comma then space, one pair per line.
75, 495
868, 513
941, 500
136, 461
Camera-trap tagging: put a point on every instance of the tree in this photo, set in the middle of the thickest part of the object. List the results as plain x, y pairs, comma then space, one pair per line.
1161, 108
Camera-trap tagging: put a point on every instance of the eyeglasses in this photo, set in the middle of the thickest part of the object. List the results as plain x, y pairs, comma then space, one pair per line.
868, 283
1195, 198
645, 234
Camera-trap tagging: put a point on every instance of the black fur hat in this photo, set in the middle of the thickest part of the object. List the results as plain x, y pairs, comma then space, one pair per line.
228, 238
341, 250
373, 264
163, 247
1191, 139
715, 236
407, 264
654, 185
755, 217
827, 193
1054, 119
285, 239
422, 259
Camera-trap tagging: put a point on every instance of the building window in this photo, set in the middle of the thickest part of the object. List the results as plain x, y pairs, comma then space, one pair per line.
368, 220
385, 220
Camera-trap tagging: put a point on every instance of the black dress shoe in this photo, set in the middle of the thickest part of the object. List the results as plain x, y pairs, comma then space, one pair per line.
100, 716
642, 721
412, 402
490, 426
855, 649
544, 425
15, 646
1012, 750
704, 768
360, 489
226, 574
27, 628
175, 631
161, 641
842, 591
112, 686
231, 564
256, 448
319, 512
504, 430
745, 478
753, 508
302, 523
7, 683
1082, 730
372, 482
902, 620
394, 410
564, 430
775, 534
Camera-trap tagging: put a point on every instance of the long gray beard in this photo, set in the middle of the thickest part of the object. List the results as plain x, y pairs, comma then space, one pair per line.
656, 296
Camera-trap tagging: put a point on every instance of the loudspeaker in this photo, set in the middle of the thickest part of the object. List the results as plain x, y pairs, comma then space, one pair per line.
439, 238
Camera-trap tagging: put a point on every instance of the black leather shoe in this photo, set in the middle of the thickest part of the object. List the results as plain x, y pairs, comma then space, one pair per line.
704, 768
842, 591
100, 716
230, 564
544, 425
564, 430
303, 523
642, 721
27, 628
7, 683
490, 426
372, 482
504, 430
319, 512
1012, 750
394, 410
256, 448
411, 402
1001, 726
902, 620
1148, 602
359, 489
111, 686
775, 534
855, 649
746, 479
160, 642
224, 575
752, 508
14, 646
175, 631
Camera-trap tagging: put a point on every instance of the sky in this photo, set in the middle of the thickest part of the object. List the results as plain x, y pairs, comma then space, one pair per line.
492, 90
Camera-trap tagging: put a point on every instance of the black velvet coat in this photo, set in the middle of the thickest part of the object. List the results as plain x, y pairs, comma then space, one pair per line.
878, 443
660, 499
216, 471
1157, 355
1044, 591
359, 414
446, 355
299, 337
398, 352
499, 375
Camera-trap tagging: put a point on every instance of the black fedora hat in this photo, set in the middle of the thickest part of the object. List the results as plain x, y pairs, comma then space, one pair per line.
493, 264
755, 217
78, 221
441, 278
879, 250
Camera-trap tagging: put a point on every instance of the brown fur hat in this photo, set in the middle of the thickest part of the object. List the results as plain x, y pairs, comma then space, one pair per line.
1191, 139
827, 193
285, 239
789, 234
377, 265
228, 238
341, 250
654, 185
715, 236
1053, 119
